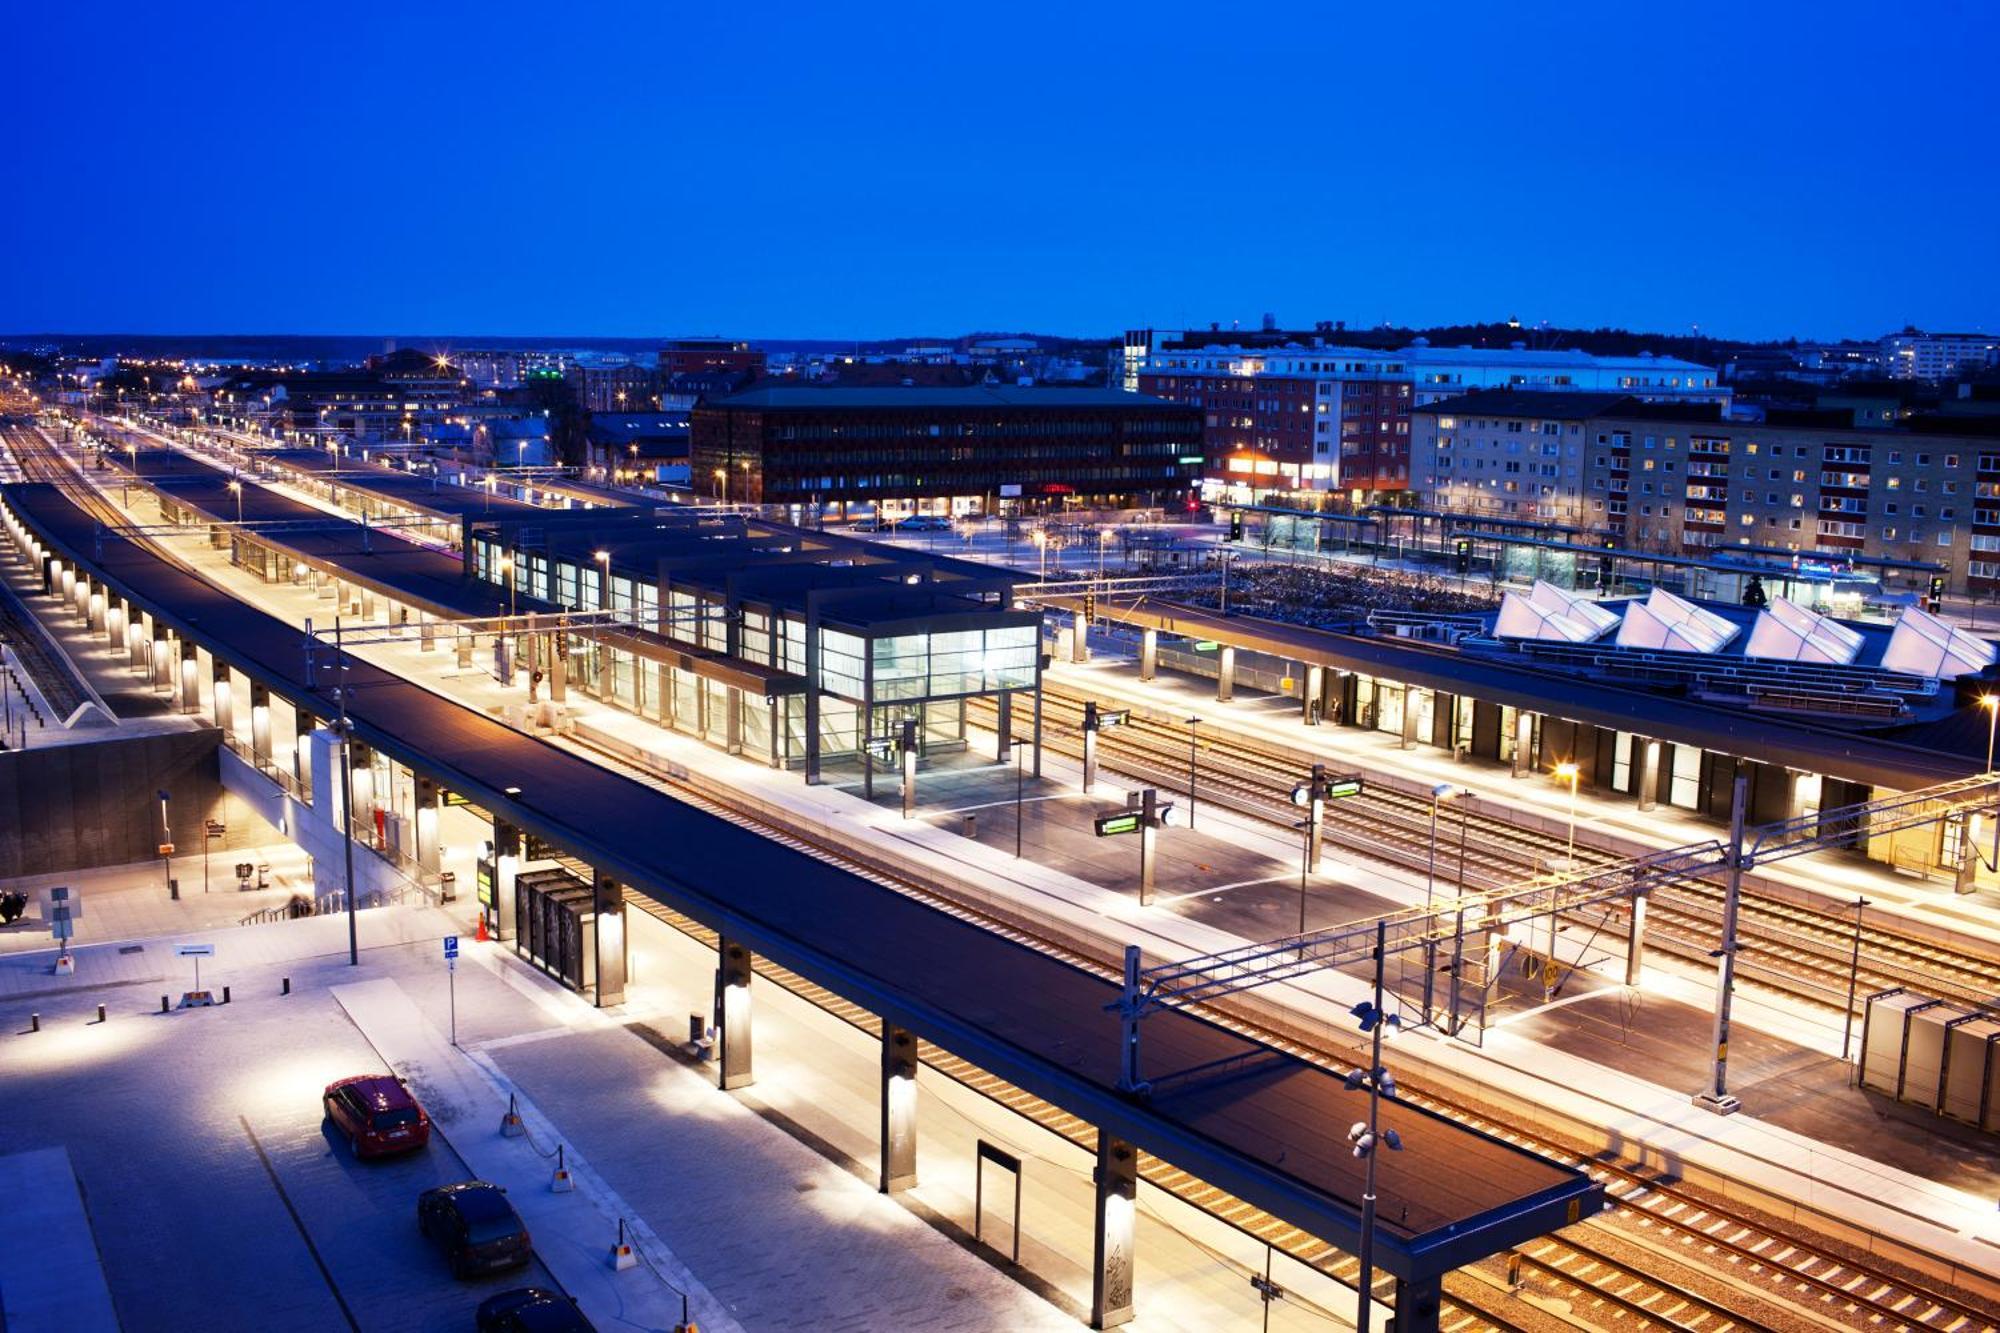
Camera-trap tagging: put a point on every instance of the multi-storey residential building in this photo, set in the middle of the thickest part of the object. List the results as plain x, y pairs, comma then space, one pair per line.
621, 388
1684, 478
984, 447
700, 356
1915, 355
1321, 417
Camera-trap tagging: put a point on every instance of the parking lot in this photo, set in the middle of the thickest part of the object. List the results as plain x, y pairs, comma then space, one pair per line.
218, 1197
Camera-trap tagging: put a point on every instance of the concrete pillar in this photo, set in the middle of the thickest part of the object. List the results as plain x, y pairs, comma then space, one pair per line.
80, 596
1792, 807
1225, 673
1003, 743
506, 862
1149, 653
424, 820
1524, 743
1649, 772
1309, 697
1117, 1182
558, 674
613, 949
139, 644
899, 1109
361, 766
187, 683
260, 723
1417, 1302
1080, 639
221, 696
1412, 698
464, 648
732, 1013
68, 582
97, 605
1635, 941
162, 658
114, 624
426, 633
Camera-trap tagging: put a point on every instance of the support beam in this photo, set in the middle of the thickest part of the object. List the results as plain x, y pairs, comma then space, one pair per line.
1649, 773
506, 861
1225, 673
1411, 712
1417, 1305
1080, 639
1635, 941
1003, 740
899, 1109
260, 723
1117, 1182
1524, 743
221, 697
187, 682
1149, 653
163, 657
613, 946
424, 821
1309, 697
732, 1014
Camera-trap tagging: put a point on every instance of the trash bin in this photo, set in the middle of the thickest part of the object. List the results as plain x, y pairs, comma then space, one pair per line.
968, 825
448, 886
174, 889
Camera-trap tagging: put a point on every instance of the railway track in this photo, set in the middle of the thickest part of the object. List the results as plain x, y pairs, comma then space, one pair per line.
1786, 947
1574, 1279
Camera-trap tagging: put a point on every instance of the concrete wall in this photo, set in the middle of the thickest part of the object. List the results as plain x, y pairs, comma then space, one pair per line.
74, 807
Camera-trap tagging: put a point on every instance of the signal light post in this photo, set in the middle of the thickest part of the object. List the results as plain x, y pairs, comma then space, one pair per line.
1312, 795
1146, 815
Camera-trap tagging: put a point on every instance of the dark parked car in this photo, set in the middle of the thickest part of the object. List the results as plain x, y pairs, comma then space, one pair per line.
531, 1310
475, 1226
377, 1114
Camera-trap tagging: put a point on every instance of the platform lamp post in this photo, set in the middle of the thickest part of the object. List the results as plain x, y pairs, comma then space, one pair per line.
1444, 791
1566, 771
1853, 978
236, 489
1991, 703
507, 572
1367, 1135
1041, 540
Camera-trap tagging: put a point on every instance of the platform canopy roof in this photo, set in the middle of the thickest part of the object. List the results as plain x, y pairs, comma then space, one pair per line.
1924, 645
1666, 621
1787, 632
1548, 612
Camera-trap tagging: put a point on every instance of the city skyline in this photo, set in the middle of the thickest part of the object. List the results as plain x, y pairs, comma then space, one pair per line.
822, 178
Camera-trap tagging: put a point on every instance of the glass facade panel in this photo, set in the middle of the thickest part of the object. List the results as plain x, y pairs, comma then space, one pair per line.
567, 587
841, 669
902, 667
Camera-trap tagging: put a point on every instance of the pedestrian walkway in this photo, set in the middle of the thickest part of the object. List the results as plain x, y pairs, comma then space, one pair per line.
574, 1232
50, 1277
125, 904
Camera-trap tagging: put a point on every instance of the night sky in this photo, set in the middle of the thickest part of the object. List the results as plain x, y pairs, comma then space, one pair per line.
832, 170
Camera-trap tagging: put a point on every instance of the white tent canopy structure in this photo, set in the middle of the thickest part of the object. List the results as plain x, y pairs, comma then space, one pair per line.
1674, 623
1787, 632
1923, 645
1547, 612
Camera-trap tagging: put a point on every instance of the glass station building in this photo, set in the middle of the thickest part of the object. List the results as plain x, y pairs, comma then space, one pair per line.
797, 648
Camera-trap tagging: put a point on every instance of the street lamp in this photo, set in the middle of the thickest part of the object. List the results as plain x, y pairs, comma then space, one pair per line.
1991, 703
603, 559
1193, 722
507, 573
722, 484
1041, 540
1566, 771
236, 488
1104, 539
1368, 1135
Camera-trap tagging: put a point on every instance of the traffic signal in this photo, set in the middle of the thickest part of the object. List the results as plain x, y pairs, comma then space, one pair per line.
1236, 527
1462, 555
1937, 593
1090, 606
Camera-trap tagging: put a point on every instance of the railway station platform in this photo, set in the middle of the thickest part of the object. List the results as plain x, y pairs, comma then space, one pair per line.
1231, 879
1785, 1164
1111, 677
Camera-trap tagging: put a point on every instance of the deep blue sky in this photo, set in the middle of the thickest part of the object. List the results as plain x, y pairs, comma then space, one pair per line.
827, 170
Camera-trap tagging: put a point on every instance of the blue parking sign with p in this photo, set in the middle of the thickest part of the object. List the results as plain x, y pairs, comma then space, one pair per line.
451, 946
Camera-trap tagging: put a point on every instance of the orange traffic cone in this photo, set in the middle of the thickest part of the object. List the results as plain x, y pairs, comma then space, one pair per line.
480, 930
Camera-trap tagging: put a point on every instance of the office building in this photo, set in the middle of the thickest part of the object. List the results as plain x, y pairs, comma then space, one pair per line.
1314, 416
975, 449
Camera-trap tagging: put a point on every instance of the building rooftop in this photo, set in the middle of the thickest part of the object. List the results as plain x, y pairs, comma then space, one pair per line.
1560, 404
805, 398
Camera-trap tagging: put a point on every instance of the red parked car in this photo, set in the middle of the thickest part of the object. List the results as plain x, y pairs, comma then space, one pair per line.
377, 1114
